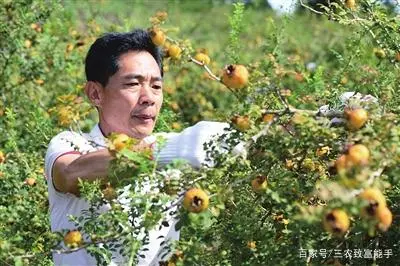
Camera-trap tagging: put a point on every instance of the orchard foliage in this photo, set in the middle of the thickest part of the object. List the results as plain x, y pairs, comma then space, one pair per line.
290, 176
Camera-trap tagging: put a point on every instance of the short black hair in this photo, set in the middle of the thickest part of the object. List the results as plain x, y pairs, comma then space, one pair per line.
102, 58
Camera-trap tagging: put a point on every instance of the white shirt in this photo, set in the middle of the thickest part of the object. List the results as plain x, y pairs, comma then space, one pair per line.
64, 204
186, 145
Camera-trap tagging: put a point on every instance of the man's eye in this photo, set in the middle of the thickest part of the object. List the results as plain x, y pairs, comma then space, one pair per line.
132, 84
157, 87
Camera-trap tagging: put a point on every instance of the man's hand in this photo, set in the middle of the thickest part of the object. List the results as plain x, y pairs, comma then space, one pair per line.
69, 167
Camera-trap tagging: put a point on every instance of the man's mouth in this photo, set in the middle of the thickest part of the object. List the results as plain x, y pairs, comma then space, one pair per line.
145, 118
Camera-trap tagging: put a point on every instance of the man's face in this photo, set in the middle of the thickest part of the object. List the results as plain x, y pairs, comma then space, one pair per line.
132, 97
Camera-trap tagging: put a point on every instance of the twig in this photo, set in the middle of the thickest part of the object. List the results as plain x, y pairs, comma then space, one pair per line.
198, 62
310, 8
263, 131
132, 255
206, 68
274, 112
172, 40
67, 251
373, 34
283, 100
213, 76
180, 195
330, 113
370, 181
241, 149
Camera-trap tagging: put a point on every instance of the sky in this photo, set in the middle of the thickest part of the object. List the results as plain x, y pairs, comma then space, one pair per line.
282, 5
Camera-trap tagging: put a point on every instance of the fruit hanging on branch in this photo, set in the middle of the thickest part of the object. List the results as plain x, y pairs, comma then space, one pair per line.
379, 53
351, 4
375, 200
376, 209
195, 200
336, 222
259, 184
235, 76
384, 217
30, 181
119, 142
203, 58
342, 163
2, 157
174, 51
358, 155
73, 239
373, 196
356, 118
267, 118
157, 36
251, 245
109, 192
242, 123
397, 57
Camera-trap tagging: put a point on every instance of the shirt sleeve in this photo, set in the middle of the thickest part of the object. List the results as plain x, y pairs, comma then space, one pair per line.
64, 143
166, 151
188, 145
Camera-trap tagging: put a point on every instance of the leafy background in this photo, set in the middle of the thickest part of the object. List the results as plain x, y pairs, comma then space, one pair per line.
312, 58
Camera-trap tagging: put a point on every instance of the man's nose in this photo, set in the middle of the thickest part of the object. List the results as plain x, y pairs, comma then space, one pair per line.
146, 96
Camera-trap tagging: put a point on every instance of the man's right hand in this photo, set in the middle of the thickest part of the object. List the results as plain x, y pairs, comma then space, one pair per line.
68, 168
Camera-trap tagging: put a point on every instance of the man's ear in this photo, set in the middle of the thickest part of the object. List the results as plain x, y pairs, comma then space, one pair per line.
94, 91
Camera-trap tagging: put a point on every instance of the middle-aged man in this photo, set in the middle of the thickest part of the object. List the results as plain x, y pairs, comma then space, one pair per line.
125, 84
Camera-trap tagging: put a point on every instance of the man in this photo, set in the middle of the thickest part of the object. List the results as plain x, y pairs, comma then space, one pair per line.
124, 83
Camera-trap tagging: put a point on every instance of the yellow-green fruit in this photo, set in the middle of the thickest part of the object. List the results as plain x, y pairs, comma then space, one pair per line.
242, 123
322, 151
356, 118
259, 183
375, 200
195, 200
379, 53
267, 118
120, 141
251, 244
2, 157
203, 58
397, 57
342, 163
235, 76
336, 221
73, 239
158, 37
174, 51
28, 43
109, 193
350, 4
384, 217
30, 181
308, 164
358, 154
373, 195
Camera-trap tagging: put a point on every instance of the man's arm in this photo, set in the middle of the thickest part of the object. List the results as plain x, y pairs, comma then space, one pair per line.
187, 145
69, 167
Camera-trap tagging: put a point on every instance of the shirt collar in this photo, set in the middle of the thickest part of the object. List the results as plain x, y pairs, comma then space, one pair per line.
97, 136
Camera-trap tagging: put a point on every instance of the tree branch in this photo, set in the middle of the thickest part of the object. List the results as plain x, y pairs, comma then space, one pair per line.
206, 68
310, 8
